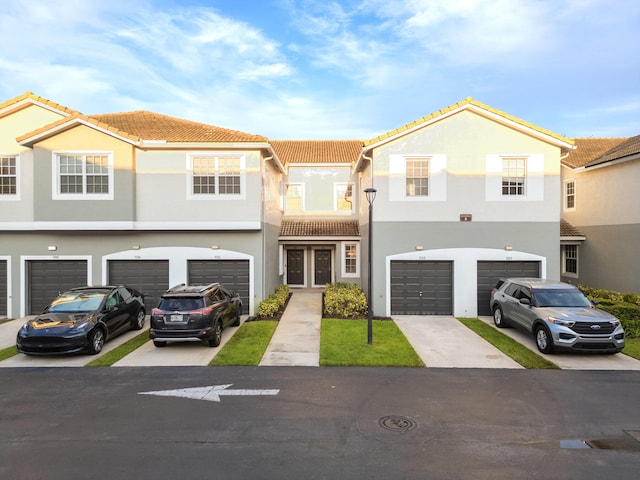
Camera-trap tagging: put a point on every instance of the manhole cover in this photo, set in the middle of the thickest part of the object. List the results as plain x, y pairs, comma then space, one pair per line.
397, 423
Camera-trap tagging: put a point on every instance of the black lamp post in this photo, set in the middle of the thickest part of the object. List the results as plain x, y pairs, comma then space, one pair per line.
371, 196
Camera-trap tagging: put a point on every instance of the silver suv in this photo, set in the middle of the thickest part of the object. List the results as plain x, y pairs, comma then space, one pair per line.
557, 314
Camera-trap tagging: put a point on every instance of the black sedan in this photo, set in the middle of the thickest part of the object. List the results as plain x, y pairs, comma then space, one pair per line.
82, 320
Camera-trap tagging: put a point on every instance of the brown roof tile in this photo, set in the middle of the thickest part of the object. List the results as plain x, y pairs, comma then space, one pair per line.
317, 151
568, 230
630, 146
589, 149
155, 126
319, 228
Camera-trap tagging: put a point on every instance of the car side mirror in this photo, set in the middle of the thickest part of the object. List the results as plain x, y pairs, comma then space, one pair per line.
525, 301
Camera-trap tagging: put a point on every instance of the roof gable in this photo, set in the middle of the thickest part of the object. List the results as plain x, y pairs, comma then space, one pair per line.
28, 99
481, 109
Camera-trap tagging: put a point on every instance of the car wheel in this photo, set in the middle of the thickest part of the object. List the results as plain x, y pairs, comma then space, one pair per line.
236, 321
217, 335
159, 344
544, 341
96, 341
138, 323
498, 318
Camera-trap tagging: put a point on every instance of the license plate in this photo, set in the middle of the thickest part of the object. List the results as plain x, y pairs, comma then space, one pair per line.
175, 318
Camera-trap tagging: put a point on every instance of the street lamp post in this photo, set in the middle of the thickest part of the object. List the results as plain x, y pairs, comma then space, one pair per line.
371, 196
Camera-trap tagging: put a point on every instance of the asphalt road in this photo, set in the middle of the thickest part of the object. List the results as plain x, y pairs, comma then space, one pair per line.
317, 423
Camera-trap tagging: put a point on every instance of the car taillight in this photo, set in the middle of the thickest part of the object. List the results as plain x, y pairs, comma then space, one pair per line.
157, 311
201, 311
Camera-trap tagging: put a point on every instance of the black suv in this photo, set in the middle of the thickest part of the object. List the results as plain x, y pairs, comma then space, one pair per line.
194, 312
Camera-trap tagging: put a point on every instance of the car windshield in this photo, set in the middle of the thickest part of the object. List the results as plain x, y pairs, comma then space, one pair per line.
560, 298
77, 302
181, 304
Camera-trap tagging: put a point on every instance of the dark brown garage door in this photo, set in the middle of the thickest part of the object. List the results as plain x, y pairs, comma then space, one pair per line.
421, 288
151, 277
3, 288
233, 274
489, 272
46, 279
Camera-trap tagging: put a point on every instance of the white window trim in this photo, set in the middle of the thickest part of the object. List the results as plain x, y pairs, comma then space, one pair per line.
343, 248
437, 178
14, 196
534, 179
216, 196
284, 197
55, 176
565, 196
565, 273
337, 185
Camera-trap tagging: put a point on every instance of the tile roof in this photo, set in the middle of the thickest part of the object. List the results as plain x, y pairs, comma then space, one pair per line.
630, 146
320, 228
466, 103
568, 230
317, 151
155, 126
69, 122
35, 98
589, 149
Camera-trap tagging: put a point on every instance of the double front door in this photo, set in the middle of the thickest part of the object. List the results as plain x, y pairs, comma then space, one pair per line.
322, 261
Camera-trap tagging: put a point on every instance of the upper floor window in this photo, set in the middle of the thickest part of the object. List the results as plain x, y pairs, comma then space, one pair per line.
215, 175
83, 175
8, 176
570, 195
514, 171
570, 259
294, 197
343, 194
417, 177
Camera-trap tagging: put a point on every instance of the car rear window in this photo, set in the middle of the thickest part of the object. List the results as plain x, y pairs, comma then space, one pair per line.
174, 304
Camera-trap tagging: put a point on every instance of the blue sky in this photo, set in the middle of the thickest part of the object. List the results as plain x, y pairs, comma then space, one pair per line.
317, 69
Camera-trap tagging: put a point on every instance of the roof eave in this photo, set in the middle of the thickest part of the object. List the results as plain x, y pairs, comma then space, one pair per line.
29, 140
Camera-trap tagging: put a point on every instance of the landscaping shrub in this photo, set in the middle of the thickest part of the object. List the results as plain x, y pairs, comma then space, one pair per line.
625, 306
344, 300
272, 305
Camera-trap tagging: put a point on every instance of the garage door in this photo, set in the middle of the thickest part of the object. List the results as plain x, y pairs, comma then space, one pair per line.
3, 288
151, 277
46, 279
233, 274
489, 273
421, 288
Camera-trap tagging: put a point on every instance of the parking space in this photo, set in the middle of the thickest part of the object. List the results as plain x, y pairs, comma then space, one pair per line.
571, 360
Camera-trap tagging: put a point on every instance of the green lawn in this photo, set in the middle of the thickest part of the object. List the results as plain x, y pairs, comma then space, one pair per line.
507, 345
8, 352
344, 343
248, 344
121, 351
632, 347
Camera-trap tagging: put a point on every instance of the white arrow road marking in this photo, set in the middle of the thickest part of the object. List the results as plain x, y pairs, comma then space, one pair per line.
211, 393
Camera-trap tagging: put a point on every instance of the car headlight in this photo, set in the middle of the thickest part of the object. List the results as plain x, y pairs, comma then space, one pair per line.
615, 323
81, 328
561, 323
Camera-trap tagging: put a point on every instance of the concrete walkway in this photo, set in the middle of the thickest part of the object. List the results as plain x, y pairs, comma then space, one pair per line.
296, 341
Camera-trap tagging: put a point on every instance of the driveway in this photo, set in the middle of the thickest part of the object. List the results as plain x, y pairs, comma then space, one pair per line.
571, 360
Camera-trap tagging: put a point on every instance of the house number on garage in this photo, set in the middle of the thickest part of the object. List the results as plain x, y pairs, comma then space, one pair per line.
211, 393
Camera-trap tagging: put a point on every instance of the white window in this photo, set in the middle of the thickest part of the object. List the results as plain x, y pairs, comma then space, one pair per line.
514, 175
417, 177
215, 175
570, 195
83, 175
8, 176
343, 197
294, 197
570, 260
351, 260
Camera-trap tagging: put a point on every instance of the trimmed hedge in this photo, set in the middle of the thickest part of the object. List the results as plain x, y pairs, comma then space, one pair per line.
270, 306
344, 300
625, 306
